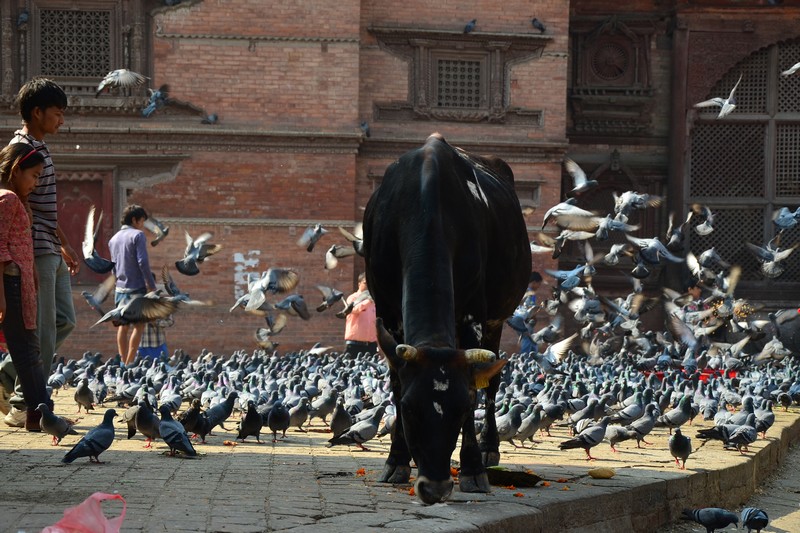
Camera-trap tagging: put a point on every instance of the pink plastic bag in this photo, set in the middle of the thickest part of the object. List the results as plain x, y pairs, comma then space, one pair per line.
88, 517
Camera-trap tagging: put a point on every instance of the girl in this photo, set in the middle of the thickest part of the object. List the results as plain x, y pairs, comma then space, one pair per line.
20, 166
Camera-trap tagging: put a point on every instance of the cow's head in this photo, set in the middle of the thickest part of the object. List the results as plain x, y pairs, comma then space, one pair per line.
437, 396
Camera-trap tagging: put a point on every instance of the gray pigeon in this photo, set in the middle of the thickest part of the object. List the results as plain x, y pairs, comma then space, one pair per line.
680, 446
278, 420
147, 423
129, 417
84, 396
712, 518
754, 518
509, 423
588, 438
311, 236
299, 414
340, 418
251, 423
95, 442
616, 434
360, 432
174, 434
529, 426
197, 250
57, 426
675, 418
323, 406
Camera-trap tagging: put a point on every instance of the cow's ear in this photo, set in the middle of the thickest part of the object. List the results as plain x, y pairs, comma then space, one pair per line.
388, 345
483, 372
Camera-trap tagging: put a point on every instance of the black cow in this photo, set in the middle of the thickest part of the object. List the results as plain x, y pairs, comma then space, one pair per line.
447, 260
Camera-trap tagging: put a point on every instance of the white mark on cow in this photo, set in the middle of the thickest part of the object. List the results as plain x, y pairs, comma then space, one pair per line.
438, 408
442, 370
475, 189
441, 385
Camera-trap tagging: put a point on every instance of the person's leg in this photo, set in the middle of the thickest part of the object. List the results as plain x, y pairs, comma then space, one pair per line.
46, 267
122, 341
65, 311
133, 345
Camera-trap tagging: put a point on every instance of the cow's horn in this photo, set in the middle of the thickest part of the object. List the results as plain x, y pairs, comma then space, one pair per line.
407, 352
478, 355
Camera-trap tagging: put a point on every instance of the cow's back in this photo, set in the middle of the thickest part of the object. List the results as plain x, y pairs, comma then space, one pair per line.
445, 238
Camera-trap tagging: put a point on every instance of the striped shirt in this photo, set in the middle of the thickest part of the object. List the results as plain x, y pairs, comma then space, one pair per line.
43, 201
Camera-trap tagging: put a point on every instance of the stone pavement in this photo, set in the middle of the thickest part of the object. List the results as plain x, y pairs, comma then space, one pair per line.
300, 485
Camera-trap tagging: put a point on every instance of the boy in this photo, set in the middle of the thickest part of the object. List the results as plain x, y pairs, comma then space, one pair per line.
128, 249
41, 105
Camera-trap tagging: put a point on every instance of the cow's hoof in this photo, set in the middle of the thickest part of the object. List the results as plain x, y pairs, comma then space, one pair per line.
476, 483
490, 458
395, 474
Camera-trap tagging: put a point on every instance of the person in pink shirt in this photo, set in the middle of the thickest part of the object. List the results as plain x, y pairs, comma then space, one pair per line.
360, 335
20, 166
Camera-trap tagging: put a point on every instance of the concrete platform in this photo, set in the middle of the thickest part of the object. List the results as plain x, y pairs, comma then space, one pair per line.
299, 485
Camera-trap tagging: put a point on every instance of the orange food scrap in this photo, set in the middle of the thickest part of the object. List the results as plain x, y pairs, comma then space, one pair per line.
545, 483
454, 471
562, 480
564, 488
361, 472
230, 443
510, 487
412, 492
518, 495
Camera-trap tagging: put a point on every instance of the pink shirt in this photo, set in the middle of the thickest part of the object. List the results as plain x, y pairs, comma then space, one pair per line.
16, 245
360, 323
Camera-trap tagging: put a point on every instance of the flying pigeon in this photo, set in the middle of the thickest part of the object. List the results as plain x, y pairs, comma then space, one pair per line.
157, 100
356, 237
791, 70
580, 183
120, 78
726, 105
311, 236
329, 297
197, 250
57, 426
92, 259
145, 308
95, 442
95, 299
336, 252
158, 229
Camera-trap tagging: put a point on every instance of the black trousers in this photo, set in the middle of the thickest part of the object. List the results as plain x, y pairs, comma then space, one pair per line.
353, 348
23, 345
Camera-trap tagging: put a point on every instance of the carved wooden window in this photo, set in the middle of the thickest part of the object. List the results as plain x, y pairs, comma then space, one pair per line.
75, 43
458, 77
747, 165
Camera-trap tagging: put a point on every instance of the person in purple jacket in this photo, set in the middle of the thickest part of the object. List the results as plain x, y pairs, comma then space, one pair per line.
128, 249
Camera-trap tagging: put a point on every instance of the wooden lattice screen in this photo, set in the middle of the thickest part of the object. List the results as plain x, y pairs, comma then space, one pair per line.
747, 165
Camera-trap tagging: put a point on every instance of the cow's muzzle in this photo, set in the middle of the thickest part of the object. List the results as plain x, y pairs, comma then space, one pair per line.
431, 492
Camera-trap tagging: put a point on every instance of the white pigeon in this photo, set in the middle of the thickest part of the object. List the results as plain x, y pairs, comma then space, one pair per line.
727, 105
120, 78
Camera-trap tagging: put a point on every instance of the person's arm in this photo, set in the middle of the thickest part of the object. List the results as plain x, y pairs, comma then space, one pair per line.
68, 253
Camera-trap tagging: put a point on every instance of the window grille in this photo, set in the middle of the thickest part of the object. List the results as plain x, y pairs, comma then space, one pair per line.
75, 43
459, 84
727, 160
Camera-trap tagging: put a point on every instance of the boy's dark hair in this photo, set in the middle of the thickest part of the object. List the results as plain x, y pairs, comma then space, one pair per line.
131, 212
535, 276
41, 93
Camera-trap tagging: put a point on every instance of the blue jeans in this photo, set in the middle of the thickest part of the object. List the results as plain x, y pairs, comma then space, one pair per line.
56, 315
23, 345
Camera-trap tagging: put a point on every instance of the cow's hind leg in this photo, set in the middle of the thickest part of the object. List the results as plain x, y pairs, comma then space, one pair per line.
489, 441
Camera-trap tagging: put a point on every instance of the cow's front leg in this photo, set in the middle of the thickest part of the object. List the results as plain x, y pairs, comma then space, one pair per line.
490, 442
397, 468
472, 477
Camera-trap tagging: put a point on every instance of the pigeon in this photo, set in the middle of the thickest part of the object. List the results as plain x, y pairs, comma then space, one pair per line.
173, 291
470, 25
23, 17
174, 434
84, 397
645, 424
157, 100
299, 414
147, 423
311, 236
364, 128
616, 434
726, 105
356, 237
536, 23
579, 180
211, 118
566, 213
197, 250
95, 442
120, 78
680, 446
791, 70
509, 423
295, 305
329, 297
712, 518
278, 420
529, 426
219, 413
57, 426
274, 280
754, 518
156, 228
336, 252
348, 308
340, 418
251, 423
129, 417
144, 308
92, 259
95, 299
703, 212
360, 432
588, 438
675, 418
